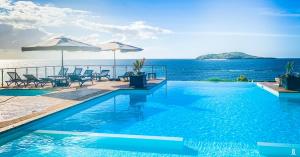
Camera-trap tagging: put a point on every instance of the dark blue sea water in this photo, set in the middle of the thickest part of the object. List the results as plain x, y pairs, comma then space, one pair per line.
254, 69
190, 69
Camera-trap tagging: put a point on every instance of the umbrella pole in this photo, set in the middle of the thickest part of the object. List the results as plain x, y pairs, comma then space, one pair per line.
114, 64
62, 61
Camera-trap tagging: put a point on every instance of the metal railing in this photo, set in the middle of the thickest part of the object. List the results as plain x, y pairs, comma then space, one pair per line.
45, 71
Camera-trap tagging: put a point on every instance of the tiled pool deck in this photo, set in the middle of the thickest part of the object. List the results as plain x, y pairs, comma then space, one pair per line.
15, 111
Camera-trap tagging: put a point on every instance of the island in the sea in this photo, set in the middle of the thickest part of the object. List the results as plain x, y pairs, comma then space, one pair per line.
231, 55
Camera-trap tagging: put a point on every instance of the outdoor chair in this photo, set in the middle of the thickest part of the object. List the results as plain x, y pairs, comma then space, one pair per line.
15, 78
77, 71
32, 79
103, 73
62, 72
88, 73
126, 76
81, 79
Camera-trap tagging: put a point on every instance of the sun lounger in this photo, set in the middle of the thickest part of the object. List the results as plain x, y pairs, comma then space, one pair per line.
88, 73
15, 78
103, 73
126, 76
58, 80
81, 79
77, 71
62, 72
32, 79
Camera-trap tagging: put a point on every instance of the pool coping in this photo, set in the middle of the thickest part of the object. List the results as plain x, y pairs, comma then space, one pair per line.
268, 89
18, 122
278, 149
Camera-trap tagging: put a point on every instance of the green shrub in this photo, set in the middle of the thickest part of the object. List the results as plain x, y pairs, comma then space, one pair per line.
215, 79
242, 78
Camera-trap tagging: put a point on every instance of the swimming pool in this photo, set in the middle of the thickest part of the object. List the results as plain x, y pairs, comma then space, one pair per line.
23, 92
213, 119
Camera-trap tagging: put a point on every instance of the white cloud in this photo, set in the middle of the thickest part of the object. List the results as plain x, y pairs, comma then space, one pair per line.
92, 38
136, 29
27, 16
13, 37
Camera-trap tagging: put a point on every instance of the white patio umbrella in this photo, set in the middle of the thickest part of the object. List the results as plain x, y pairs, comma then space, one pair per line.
117, 46
62, 44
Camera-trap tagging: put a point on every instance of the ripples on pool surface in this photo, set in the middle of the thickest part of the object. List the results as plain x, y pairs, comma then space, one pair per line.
215, 119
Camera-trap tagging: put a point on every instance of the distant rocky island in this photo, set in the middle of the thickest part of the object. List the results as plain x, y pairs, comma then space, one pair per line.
231, 55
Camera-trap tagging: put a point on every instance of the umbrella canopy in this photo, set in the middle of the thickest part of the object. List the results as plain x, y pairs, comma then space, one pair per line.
62, 44
117, 46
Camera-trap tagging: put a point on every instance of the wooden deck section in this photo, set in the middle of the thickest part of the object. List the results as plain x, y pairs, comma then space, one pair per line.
16, 111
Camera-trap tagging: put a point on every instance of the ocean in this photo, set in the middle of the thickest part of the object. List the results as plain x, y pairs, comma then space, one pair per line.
188, 69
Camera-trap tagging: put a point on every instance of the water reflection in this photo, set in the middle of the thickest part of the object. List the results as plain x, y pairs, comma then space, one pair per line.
290, 104
136, 105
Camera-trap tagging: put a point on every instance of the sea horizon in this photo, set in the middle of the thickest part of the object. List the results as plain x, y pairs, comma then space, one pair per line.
185, 69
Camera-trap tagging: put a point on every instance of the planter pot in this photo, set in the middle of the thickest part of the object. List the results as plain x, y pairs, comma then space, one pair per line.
278, 80
290, 82
138, 81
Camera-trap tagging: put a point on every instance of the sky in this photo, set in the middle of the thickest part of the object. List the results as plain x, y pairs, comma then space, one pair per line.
163, 28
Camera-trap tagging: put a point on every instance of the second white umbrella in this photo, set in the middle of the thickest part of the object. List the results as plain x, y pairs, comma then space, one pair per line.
117, 46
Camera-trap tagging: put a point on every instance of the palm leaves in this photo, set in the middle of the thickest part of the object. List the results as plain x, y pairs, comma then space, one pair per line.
138, 65
289, 68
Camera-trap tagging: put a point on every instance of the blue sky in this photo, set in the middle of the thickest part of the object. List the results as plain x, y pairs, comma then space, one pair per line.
164, 28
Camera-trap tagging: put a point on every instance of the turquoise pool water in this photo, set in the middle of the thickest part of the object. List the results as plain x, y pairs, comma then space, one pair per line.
214, 119
23, 92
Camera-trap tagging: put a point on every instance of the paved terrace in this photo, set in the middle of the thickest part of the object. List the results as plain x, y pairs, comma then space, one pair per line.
15, 111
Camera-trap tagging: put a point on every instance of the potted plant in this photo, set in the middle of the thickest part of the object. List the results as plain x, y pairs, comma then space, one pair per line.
242, 78
138, 80
289, 80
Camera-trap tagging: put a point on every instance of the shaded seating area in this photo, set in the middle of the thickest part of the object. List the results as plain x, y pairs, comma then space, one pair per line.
29, 79
38, 76
63, 78
62, 44
55, 80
